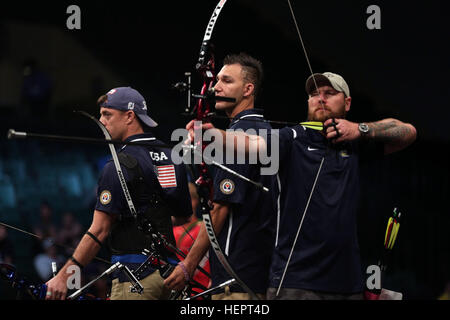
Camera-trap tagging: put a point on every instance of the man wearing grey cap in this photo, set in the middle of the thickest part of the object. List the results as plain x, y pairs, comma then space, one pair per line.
158, 188
316, 253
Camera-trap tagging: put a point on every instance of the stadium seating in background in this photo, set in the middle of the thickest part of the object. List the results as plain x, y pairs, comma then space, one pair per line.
7, 193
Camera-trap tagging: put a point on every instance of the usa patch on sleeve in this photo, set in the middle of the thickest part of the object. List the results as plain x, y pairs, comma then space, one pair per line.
166, 176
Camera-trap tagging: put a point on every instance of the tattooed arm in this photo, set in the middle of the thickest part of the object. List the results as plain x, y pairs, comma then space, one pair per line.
395, 135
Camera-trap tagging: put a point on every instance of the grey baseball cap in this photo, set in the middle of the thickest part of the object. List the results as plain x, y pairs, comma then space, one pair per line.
127, 98
331, 79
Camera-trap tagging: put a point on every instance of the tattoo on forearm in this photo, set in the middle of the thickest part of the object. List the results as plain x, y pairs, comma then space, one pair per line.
390, 131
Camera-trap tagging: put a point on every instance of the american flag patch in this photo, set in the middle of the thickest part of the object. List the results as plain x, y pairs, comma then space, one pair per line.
166, 176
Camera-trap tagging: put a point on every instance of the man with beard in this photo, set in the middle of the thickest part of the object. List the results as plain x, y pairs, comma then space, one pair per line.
316, 252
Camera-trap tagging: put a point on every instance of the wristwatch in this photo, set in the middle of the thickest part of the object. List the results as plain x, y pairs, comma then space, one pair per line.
363, 128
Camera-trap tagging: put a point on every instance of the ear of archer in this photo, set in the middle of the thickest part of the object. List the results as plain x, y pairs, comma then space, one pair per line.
249, 89
130, 116
348, 102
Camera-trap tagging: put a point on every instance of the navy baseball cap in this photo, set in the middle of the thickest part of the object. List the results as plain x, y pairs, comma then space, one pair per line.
127, 98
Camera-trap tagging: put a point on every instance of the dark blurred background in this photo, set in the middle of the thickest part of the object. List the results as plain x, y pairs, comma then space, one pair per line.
47, 71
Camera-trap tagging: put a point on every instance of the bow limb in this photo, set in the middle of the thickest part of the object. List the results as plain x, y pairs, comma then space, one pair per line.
206, 67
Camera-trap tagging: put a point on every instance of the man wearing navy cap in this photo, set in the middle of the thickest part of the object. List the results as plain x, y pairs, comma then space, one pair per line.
150, 174
316, 252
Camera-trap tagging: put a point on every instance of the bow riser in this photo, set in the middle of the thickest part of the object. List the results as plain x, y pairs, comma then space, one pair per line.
202, 112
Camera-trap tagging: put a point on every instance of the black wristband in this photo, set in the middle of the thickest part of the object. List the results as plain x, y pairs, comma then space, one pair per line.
94, 237
76, 262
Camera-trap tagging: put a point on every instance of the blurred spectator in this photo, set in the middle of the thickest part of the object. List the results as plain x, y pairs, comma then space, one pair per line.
44, 228
43, 261
6, 247
70, 233
37, 89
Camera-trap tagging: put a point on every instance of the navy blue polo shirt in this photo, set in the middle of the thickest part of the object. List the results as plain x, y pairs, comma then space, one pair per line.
161, 176
248, 232
326, 256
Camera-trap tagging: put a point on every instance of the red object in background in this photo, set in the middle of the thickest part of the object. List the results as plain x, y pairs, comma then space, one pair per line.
185, 236
371, 296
